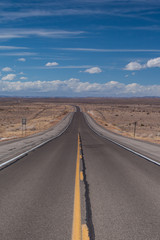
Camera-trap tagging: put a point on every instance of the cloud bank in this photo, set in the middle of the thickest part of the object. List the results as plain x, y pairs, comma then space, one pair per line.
75, 88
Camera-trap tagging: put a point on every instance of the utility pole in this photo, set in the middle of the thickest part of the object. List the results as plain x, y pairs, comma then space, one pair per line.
135, 125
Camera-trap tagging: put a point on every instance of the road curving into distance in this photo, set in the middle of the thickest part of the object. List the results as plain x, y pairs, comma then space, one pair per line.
80, 186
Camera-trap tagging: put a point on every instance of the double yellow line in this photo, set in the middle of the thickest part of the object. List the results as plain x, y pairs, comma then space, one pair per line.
79, 231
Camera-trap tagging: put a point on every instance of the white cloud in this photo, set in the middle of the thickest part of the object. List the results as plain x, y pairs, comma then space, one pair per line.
6, 69
14, 15
74, 87
51, 64
66, 67
11, 48
21, 59
9, 77
132, 66
10, 33
107, 50
18, 54
23, 78
55, 8
155, 62
93, 70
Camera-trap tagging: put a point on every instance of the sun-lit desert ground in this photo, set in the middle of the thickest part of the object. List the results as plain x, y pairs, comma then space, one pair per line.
117, 115
120, 115
40, 115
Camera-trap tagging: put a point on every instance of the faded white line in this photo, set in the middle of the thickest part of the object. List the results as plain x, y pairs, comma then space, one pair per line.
120, 145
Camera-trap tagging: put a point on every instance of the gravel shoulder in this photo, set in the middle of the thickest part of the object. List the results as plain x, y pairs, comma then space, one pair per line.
13, 148
150, 150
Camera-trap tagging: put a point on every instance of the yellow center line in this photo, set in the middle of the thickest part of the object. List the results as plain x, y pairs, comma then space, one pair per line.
85, 234
78, 232
76, 228
81, 176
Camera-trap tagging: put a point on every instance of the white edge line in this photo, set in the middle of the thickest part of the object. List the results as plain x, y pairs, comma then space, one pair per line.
2, 165
120, 145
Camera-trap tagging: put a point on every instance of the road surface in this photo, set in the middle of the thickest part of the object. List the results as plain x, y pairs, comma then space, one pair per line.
119, 191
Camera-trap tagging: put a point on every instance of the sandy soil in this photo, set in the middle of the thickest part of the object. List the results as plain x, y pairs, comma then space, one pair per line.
40, 115
120, 115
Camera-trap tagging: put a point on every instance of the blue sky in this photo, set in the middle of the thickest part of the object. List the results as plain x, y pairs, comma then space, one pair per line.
80, 48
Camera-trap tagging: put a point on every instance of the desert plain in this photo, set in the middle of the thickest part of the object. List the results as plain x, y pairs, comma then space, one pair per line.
131, 117
119, 115
40, 115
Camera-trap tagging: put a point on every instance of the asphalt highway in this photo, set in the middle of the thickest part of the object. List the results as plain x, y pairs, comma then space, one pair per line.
119, 191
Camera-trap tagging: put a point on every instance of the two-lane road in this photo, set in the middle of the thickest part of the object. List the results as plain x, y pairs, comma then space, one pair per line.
37, 192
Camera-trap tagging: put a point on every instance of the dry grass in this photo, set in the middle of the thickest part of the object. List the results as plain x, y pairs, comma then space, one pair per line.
41, 114
120, 115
